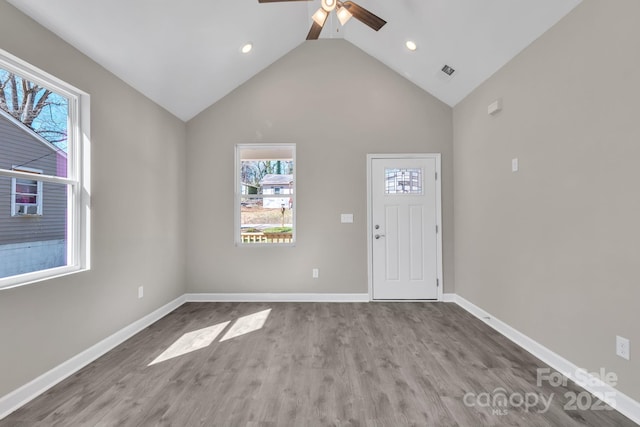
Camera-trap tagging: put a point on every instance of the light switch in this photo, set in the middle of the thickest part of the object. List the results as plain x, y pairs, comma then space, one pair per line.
346, 218
514, 165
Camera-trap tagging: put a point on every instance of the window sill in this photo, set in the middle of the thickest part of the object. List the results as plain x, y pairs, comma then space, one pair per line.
39, 276
266, 245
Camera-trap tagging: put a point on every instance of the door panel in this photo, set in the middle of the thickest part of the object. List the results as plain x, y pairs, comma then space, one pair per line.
416, 242
403, 218
392, 247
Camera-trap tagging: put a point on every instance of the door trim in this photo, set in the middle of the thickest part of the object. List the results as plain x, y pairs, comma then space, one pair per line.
436, 156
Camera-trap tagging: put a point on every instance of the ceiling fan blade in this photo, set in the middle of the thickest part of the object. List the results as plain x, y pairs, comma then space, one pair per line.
274, 1
314, 32
364, 16
319, 19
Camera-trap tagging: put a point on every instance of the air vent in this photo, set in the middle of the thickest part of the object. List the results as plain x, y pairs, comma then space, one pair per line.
448, 70
445, 74
26, 210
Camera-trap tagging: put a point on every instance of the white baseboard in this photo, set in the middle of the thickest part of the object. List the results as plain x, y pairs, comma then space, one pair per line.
266, 297
620, 401
17, 398
448, 297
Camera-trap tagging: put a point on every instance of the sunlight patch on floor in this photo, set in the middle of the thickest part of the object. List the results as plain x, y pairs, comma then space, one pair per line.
246, 324
191, 341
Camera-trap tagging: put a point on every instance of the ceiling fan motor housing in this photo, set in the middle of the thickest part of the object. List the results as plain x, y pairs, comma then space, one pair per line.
328, 5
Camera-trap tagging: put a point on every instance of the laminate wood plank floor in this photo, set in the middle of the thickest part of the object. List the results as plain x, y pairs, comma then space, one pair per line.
312, 364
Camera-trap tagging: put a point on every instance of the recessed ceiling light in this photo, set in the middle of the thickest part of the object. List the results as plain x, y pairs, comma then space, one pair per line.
246, 48
411, 45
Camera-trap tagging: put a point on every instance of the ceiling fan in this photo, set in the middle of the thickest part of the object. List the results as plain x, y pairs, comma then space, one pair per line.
344, 10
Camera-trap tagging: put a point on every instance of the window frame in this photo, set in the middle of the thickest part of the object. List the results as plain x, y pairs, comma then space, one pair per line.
14, 192
239, 195
77, 180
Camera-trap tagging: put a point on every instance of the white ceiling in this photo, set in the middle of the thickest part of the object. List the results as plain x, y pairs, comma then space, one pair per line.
185, 55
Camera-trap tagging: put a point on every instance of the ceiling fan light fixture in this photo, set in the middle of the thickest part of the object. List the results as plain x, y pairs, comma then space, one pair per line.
328, 5
343, 14
346, 11
320, 16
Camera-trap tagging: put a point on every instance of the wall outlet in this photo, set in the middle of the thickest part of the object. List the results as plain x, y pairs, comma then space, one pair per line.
622, 347
346, 218
315, 273
140, 291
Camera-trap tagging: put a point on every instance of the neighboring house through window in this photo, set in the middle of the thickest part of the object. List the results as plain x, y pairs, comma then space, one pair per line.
265, 194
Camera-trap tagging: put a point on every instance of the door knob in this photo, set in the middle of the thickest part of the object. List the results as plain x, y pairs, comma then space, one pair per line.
377, 236
377, 226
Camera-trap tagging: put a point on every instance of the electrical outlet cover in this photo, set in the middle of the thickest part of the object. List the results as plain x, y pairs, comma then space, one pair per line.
622, 347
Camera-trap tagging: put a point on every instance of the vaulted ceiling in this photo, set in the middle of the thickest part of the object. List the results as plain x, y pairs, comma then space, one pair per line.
185, 55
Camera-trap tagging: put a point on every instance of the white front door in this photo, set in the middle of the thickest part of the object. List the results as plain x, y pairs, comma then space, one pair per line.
404, 213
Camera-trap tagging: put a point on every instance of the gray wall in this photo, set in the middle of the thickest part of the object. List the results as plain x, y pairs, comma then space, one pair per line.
138, 232
337, 104
553, 249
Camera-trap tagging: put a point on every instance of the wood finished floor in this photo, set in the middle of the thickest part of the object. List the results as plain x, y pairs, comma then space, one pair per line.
378, 364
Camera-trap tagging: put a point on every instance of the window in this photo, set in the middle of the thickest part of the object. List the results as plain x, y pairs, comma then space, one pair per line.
44, 186
26, 194
265, 194
403, 181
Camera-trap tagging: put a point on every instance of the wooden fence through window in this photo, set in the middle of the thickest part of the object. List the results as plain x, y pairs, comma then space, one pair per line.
266, 238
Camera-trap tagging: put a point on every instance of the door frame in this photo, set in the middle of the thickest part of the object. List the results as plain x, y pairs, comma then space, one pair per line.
436, 156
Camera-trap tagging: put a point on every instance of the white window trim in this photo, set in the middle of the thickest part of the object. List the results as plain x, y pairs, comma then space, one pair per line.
238, 195
39, 195
78, 177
